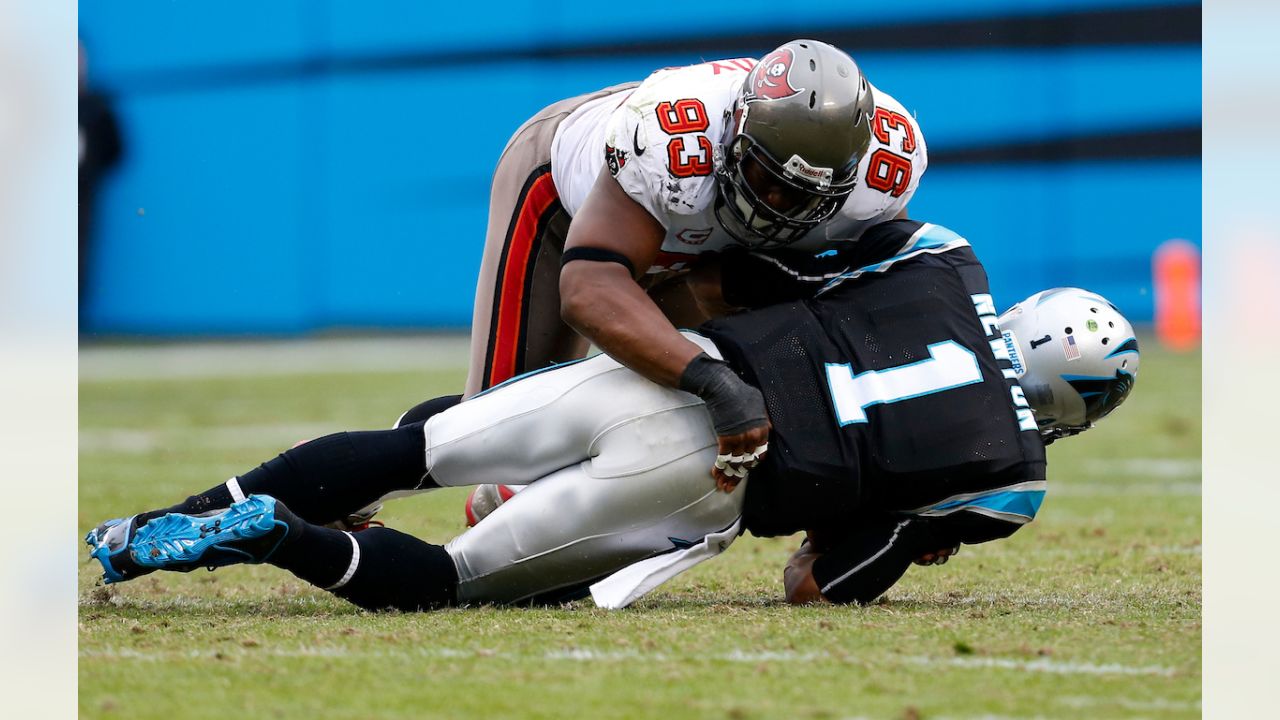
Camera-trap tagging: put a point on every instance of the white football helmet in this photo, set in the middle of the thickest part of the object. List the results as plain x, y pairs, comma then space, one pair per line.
1076, 358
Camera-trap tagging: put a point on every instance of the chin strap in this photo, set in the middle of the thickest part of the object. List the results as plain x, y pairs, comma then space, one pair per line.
1062, 431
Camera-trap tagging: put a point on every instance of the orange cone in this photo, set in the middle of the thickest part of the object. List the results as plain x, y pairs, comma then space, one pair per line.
1175, 269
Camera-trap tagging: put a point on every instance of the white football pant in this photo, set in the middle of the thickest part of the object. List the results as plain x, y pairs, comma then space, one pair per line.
618, 468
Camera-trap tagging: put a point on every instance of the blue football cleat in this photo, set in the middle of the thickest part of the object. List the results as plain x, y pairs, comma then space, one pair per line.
109, 543
247, 532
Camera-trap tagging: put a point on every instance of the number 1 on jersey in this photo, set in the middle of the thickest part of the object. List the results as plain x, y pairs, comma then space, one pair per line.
949, 366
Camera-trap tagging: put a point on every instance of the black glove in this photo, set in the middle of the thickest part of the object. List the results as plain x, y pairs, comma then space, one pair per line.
735, 406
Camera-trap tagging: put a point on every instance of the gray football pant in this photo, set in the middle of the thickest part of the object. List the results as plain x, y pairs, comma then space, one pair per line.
619, 470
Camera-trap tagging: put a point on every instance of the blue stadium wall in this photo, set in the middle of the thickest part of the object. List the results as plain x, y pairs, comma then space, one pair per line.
298, 165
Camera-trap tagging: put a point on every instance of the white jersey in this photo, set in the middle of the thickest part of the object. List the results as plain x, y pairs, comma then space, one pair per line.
661, 141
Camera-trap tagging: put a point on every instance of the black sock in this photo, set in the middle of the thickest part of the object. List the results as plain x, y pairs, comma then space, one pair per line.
330, 477
424, 411
394, 570
215, 498
319, 555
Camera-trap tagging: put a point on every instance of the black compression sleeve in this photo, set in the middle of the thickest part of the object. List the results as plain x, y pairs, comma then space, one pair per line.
391, 570
597, 255
971, 528
332, 476
424, 411
869, 562
400, 571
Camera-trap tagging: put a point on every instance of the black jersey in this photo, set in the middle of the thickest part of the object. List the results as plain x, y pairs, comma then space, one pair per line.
888, 389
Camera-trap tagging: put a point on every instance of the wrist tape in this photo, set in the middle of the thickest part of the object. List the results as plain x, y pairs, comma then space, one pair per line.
735, 406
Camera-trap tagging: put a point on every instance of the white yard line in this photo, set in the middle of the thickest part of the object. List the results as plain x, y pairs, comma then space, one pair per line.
1043, 665
1147, 467
1087, 701
225, 437
1083, 554
211, 359
755, 657
231, 437
1102, 489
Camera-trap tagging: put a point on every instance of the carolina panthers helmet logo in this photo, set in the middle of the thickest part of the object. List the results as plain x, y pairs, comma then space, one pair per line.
1101, 394
771, 78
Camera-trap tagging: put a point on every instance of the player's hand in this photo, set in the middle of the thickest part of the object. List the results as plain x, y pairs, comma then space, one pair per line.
938, 557
797, 577
738, 415
738, 454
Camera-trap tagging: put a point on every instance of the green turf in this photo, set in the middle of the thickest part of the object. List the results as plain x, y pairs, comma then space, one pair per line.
1091, 611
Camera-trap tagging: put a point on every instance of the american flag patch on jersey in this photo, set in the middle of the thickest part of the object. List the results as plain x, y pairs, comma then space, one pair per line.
1069, 347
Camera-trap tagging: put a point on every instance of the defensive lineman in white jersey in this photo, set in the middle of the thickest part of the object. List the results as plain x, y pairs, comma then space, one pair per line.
602, 203
664, 141
679, 113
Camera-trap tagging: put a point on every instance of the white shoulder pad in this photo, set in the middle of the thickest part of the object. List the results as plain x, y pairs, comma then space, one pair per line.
897, 130
662, 143
896, 160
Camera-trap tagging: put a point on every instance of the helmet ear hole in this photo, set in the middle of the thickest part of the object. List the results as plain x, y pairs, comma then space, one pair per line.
1106, 340
1067, 330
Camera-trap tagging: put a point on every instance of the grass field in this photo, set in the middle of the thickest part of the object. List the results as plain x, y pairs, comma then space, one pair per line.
1091, 611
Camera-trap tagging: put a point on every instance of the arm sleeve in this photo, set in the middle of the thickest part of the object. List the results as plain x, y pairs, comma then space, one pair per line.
867, 563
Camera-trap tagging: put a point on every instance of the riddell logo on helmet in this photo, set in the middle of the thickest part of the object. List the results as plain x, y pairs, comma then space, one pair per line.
771, 80
797, 167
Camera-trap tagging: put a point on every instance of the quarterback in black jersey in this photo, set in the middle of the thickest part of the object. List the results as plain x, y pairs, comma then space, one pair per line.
888, 358
907, 419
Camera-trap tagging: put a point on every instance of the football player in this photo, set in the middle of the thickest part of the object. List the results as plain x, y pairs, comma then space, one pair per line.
908, 419
601, 201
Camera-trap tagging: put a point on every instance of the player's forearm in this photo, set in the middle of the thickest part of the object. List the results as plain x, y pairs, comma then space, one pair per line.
603, 303
704, 282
